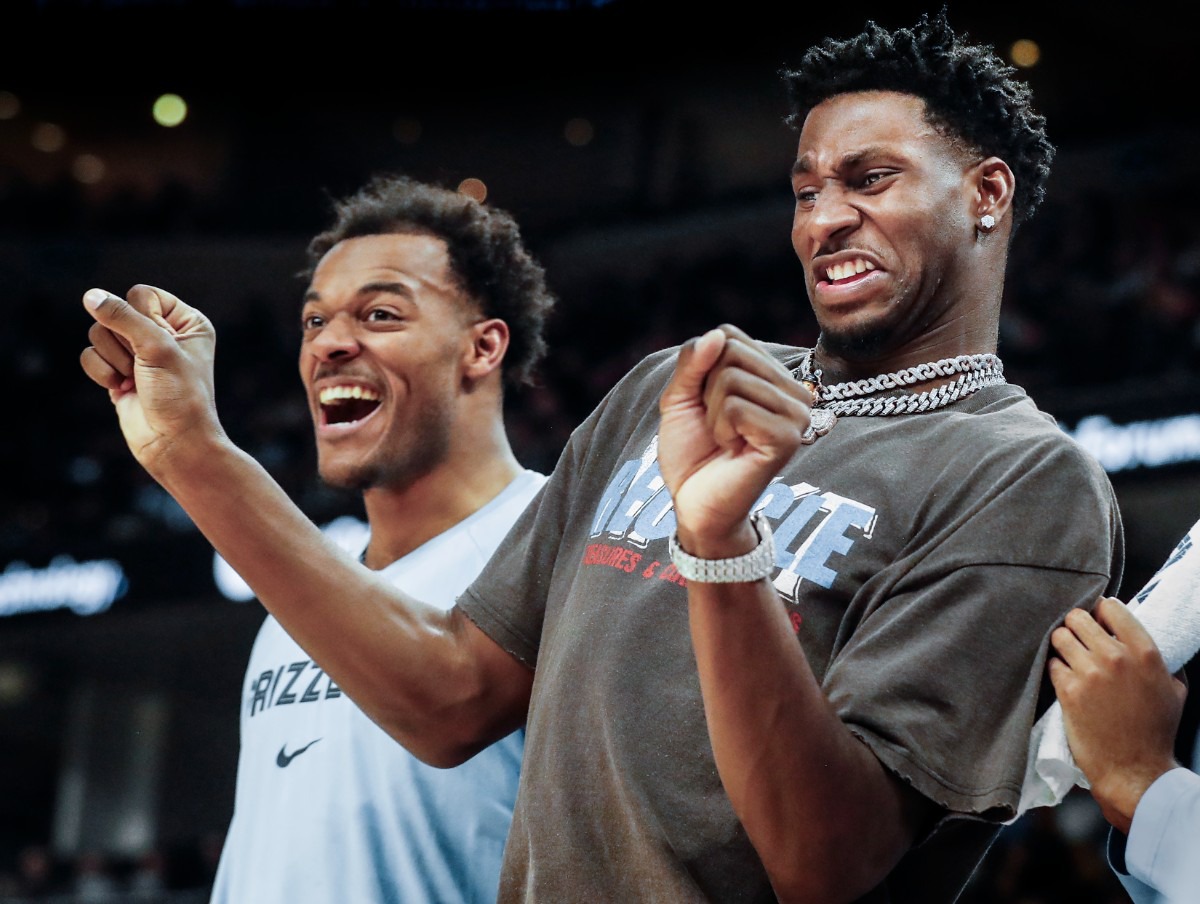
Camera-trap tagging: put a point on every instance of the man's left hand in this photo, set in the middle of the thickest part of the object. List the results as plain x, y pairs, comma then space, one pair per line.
1120, 705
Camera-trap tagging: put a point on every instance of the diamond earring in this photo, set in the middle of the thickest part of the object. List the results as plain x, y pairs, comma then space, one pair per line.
987, 222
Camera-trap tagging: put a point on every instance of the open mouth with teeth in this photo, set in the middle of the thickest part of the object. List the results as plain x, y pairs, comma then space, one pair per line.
847, 269
347, 404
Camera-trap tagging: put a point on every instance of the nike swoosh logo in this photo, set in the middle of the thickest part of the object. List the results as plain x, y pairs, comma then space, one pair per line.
285, 758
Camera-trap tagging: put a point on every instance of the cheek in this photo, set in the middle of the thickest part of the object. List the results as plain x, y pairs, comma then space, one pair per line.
798, 241
925, 238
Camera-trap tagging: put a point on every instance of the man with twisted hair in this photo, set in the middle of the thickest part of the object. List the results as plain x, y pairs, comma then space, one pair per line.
777, 623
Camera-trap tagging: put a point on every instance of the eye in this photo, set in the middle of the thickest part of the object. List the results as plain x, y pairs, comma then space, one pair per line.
382, 315
312, 322
873, 178
805, 196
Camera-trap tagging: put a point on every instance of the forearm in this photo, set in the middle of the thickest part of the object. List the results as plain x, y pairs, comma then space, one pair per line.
825, 817
408, 665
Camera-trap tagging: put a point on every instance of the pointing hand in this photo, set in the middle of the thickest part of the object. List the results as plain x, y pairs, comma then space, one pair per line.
154, 355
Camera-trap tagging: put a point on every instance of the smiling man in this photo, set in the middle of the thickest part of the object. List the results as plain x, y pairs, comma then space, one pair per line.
778, 621
422, 305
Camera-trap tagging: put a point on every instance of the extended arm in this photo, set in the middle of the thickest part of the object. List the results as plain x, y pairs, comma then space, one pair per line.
827, 819
433, 680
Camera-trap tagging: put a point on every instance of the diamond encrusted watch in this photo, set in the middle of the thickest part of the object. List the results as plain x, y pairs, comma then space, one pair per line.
758, 563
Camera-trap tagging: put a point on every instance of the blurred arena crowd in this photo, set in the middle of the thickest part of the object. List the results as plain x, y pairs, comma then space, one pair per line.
1103, 294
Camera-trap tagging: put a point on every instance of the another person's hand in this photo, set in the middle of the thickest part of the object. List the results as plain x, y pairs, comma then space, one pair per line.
1120, 705
154, 355
732, 416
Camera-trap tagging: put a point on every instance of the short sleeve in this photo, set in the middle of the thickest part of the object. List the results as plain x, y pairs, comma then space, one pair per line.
508, 600
945, 676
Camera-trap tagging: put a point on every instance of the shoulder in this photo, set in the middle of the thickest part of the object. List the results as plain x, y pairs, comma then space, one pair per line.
1005, 422
523, 488
1030, 483
995, 460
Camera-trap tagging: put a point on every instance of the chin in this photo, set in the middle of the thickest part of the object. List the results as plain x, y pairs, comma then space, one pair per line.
348, 472
864, 341
349, 478
395, 473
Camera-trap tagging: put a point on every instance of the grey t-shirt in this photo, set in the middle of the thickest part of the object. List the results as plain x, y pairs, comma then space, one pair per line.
923, 561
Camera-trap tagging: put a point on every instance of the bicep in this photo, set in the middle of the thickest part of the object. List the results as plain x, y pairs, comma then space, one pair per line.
503, 683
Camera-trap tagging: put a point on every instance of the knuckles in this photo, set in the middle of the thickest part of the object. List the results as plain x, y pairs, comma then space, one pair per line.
1060, 637
142, 296
742, 419
1148, 657
1076, 619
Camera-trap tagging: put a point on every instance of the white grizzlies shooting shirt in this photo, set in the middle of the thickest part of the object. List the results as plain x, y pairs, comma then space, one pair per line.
328, 807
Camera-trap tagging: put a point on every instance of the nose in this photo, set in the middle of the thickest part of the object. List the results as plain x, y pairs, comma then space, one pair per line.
831, 215
336, 340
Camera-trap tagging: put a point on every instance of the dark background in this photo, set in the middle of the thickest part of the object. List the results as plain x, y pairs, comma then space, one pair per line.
118, 731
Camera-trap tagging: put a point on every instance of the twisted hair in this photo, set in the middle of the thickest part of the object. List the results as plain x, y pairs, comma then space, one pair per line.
971, 95
487, 257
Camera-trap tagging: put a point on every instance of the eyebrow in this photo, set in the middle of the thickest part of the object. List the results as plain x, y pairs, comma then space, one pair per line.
371, 288
803, 166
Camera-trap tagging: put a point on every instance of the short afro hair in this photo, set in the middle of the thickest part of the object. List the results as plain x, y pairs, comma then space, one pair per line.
487, 257
970, 94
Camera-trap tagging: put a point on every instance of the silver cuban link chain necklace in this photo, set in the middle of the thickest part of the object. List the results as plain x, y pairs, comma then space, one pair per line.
855, 398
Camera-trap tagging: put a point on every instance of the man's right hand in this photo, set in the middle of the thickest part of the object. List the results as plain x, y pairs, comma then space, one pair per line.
154, 355
731, 417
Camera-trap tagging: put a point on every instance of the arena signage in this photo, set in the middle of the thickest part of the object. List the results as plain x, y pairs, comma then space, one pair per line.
1140, 444
84, 588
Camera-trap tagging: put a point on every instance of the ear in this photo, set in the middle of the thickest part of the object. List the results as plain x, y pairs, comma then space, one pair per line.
995, 186
485, 355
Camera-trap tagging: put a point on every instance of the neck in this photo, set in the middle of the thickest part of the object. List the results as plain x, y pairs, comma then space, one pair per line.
403, 518
842, 365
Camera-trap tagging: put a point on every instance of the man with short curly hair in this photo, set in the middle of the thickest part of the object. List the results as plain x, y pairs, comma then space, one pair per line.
777, 622
484, 245
422, 304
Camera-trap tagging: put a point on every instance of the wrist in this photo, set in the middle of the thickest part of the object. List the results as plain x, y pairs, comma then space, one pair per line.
1119, 794
742, 566
191, 457
737, 540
